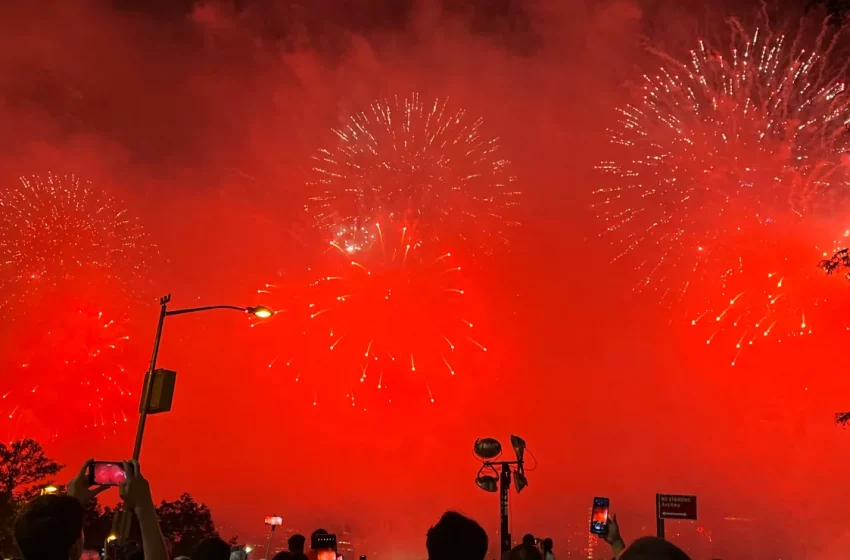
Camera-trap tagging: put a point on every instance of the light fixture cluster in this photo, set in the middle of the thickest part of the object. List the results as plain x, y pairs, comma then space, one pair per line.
489, 450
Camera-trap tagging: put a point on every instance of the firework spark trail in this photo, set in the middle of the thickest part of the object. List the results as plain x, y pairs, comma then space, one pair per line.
72, 262
386, 320
65, 374
61, 228
727, 182
406, 160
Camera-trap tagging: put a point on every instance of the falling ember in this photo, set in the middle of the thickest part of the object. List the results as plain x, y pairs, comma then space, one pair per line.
79, 373
399, 303
65, 244
412, 160
738, 154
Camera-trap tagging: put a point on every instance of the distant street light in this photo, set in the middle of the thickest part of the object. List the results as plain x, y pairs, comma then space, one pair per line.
260, 311
49, 490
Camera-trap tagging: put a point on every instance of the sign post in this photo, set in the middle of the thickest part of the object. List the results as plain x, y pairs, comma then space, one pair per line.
673, 506
659, 521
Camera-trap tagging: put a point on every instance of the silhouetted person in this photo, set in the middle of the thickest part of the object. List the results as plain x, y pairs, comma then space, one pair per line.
456, 537
547, 549
51, 528
296, 543
282, 555
238, 553
211, 549
645, 548
653, 548
315, 534
314, 555
528, 549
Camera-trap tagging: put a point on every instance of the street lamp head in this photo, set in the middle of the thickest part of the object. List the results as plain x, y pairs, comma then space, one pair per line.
487, 448
111, 538
260, 311
49, 490
487, 483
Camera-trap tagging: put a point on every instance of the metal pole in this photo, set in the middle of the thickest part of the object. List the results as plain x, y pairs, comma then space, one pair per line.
504, 487
269, 544
659, 528
123, 519
146, 392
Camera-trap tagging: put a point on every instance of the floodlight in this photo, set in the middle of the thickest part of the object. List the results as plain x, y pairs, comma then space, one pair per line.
488, 448
519, 446
520, 481
487, 483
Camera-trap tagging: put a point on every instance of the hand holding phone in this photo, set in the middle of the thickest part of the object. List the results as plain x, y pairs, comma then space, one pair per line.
599, 516
81, 486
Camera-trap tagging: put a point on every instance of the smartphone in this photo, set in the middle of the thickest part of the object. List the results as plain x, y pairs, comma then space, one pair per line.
108, 473
325, 547
599, 516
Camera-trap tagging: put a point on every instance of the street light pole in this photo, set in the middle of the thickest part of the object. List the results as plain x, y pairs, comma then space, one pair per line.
504, 488
488, 449
121, 522
146, 392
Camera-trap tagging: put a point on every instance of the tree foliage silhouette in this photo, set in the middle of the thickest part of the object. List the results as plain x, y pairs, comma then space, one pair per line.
838, 262
185, 523
22, 465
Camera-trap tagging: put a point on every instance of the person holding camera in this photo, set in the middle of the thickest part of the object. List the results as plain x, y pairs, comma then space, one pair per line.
50, 527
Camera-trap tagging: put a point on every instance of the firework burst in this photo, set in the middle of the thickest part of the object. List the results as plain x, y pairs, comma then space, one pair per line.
415, 162
379, 322
72, 263
727, 177
62, 229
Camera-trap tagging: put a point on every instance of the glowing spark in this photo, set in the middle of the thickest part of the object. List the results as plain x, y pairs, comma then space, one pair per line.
451, 371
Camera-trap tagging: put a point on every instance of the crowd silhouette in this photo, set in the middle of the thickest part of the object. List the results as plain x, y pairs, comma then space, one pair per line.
50, 527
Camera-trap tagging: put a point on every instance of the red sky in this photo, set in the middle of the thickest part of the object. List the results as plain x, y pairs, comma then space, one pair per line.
204, 122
